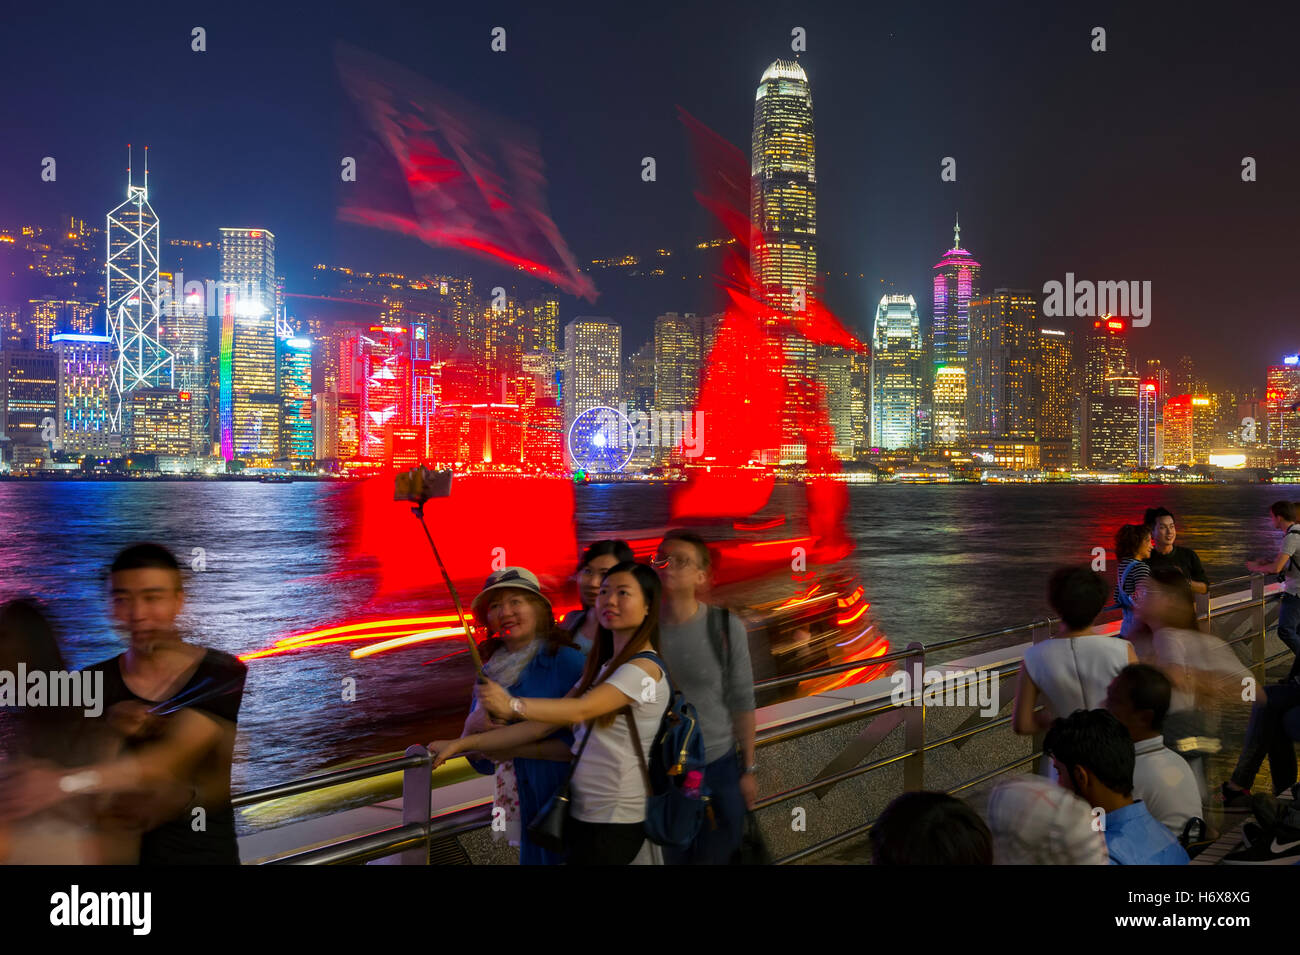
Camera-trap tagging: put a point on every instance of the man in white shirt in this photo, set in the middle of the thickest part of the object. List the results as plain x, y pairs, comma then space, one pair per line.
1139, 698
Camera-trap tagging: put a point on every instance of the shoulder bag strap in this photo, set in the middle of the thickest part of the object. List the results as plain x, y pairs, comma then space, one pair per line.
591, 728
636, 742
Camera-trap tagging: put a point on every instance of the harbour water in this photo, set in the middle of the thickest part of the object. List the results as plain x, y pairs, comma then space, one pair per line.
268, 561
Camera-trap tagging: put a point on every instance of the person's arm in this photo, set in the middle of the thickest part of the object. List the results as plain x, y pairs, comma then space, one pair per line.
1024, 720
494, 742
597, 702
740, 688
552, 749
1198, 579
1132, 652
1270, 567
160, 772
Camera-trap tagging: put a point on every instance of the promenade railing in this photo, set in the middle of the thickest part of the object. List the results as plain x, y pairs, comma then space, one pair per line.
420, 829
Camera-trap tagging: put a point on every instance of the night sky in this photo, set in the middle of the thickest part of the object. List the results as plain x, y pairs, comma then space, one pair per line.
1123, 165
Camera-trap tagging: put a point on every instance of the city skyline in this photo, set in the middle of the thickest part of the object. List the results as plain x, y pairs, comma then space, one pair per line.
880, 233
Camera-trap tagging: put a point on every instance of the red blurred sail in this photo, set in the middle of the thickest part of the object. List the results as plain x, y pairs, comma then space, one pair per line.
745, 388
451, 174
488, 522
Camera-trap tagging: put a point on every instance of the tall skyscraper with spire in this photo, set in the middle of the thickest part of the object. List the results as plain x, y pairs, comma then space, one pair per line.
131, 277
956, 282
783, 209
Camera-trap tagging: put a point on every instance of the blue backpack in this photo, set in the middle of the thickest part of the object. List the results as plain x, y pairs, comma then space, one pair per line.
673, 814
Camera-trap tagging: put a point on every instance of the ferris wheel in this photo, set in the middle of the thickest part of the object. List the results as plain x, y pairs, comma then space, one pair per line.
601, 439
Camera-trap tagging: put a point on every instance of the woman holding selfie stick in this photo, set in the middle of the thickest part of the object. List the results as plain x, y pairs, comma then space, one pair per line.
605, 825
528, 653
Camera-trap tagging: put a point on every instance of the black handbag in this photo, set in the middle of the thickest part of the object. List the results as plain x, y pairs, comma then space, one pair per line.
546, 831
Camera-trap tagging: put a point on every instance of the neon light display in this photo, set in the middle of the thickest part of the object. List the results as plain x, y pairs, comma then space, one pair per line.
226, 380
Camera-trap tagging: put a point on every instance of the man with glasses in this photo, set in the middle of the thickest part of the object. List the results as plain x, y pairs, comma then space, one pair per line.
707, 652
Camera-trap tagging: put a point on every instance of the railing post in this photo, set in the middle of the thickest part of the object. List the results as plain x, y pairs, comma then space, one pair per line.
914, 721
1041, 630
1260, 613
417, 802
1203, 609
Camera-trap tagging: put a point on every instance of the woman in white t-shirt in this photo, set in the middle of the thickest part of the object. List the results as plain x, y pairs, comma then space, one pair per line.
607, 815
1072, 670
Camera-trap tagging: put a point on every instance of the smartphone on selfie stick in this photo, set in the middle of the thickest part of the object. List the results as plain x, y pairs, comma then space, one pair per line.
419, 485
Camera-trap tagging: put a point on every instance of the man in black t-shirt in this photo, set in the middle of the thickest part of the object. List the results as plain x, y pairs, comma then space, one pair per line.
174, 705
1166, 555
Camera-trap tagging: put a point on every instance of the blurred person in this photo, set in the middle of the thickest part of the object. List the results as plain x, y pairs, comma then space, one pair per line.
178, 704
1072, 670
1271, 734
1165, 554
1094, 759
608, 789
1199, 666
50, 740
527, 653
595, 560
1287, 565
1034, 821
930, 828
1139, 698
1132, 548
707, 650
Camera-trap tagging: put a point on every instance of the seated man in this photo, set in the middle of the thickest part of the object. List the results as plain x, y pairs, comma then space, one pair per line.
1094, 758
1036, 822
1139, 698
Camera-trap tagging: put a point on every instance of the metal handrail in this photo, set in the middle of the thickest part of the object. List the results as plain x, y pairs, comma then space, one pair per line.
416, 835
327, 780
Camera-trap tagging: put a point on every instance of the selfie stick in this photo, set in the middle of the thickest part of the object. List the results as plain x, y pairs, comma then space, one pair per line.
418, 511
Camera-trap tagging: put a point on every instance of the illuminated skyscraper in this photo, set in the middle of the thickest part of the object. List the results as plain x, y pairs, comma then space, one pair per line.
131, 277
248, 276
1102, 408
1113, 423
676, 363
897, 376
383, 386
183, 330
1280, 398
546, 325
162, 420
783, 209
1148, 403
1001, 367
836, 373
85, 374
956, 282
325, 435
1205, 413
296, 435
1179, 433
29, 401
1054, 360
593, 363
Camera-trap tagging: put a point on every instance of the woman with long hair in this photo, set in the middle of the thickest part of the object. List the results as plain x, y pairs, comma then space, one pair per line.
526, 652
599, 557
605, 824
1132, 548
